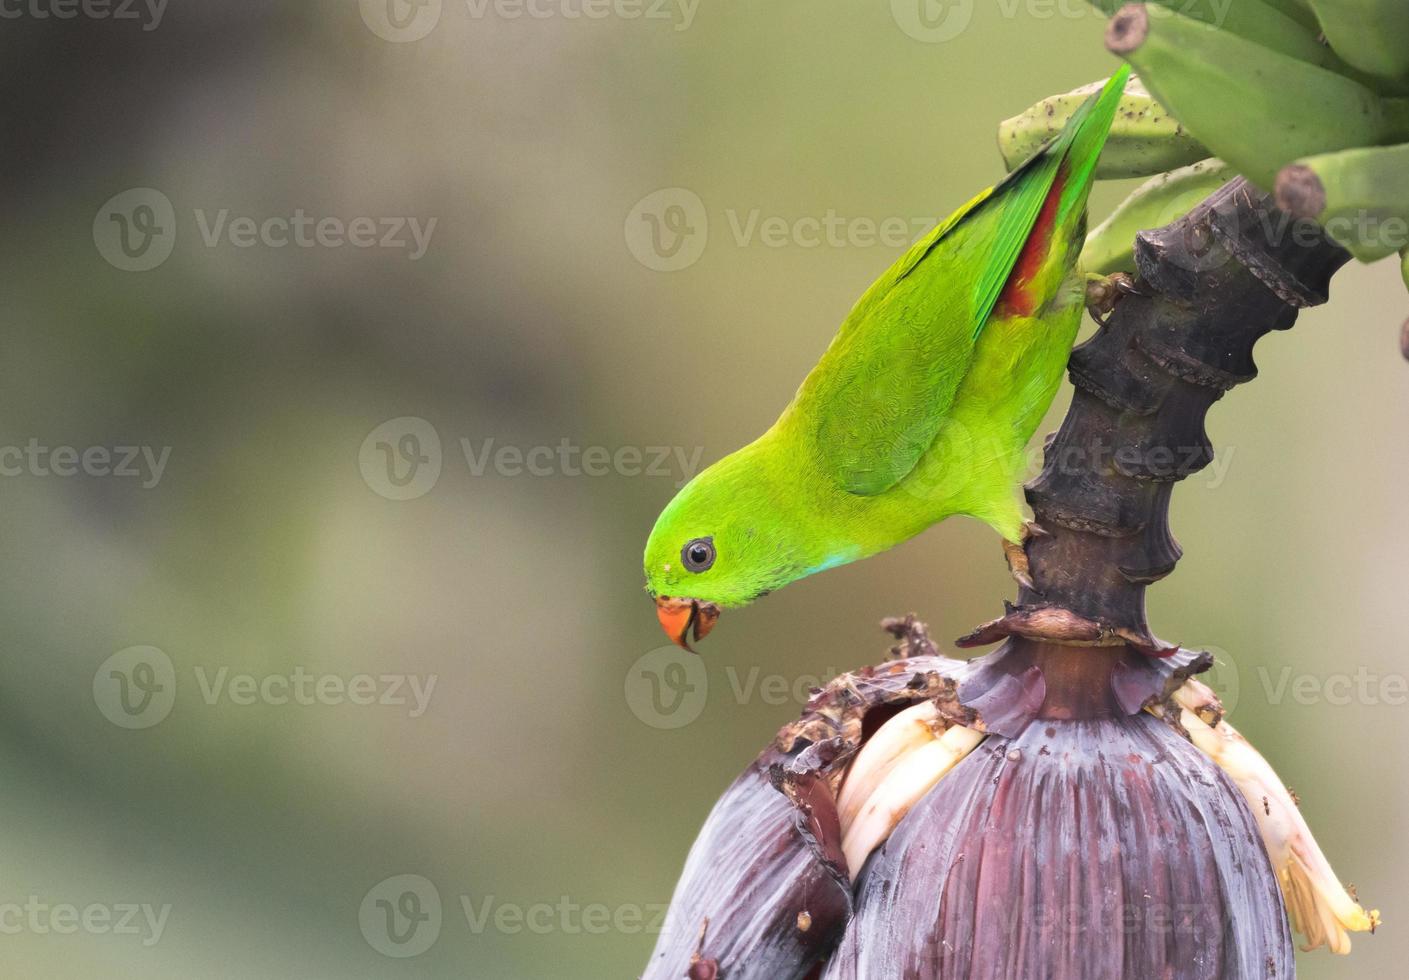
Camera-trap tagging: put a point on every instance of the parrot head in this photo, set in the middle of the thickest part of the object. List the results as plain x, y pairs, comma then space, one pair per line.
723, 542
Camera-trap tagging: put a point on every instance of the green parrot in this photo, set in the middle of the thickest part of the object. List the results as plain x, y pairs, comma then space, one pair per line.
921, 407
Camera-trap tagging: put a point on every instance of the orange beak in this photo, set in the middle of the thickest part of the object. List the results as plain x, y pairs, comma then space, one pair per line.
679, 617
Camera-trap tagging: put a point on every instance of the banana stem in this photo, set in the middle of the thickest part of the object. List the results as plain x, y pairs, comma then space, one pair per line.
1213, 284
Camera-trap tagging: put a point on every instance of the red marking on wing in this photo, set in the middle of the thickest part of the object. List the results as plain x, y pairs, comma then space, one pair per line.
1018, 297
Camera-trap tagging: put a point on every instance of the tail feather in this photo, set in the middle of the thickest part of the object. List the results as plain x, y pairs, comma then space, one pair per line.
1089, 129
1045, 206
1036, 200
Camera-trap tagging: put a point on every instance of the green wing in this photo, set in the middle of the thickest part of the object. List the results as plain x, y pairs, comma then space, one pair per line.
877, 399
883, 389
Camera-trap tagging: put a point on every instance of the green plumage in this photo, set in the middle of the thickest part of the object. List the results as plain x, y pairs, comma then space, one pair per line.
923, 404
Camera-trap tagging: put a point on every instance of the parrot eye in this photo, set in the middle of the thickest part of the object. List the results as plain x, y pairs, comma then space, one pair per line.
698, 555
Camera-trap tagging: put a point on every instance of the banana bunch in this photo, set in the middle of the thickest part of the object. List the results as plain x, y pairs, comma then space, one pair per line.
1309, 98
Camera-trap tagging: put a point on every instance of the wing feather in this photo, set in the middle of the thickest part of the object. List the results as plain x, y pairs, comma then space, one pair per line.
877, 399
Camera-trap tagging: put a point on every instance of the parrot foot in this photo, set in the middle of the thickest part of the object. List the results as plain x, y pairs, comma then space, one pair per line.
1016, 554
1018, 565
1104, 292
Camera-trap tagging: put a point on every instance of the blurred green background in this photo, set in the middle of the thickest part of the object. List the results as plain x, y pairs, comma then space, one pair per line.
545, 793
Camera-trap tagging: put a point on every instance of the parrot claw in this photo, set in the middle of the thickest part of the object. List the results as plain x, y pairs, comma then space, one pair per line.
1018, 565
1104, 292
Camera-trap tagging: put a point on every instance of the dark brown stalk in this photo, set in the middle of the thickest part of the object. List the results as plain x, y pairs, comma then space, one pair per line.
1211, 285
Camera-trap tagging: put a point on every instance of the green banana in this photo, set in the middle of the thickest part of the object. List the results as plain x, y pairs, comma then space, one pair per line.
1298, 10
1145, 139
1110, 248
1360, 197
1256, 108
1396, 116
1252, 20
1372, 35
